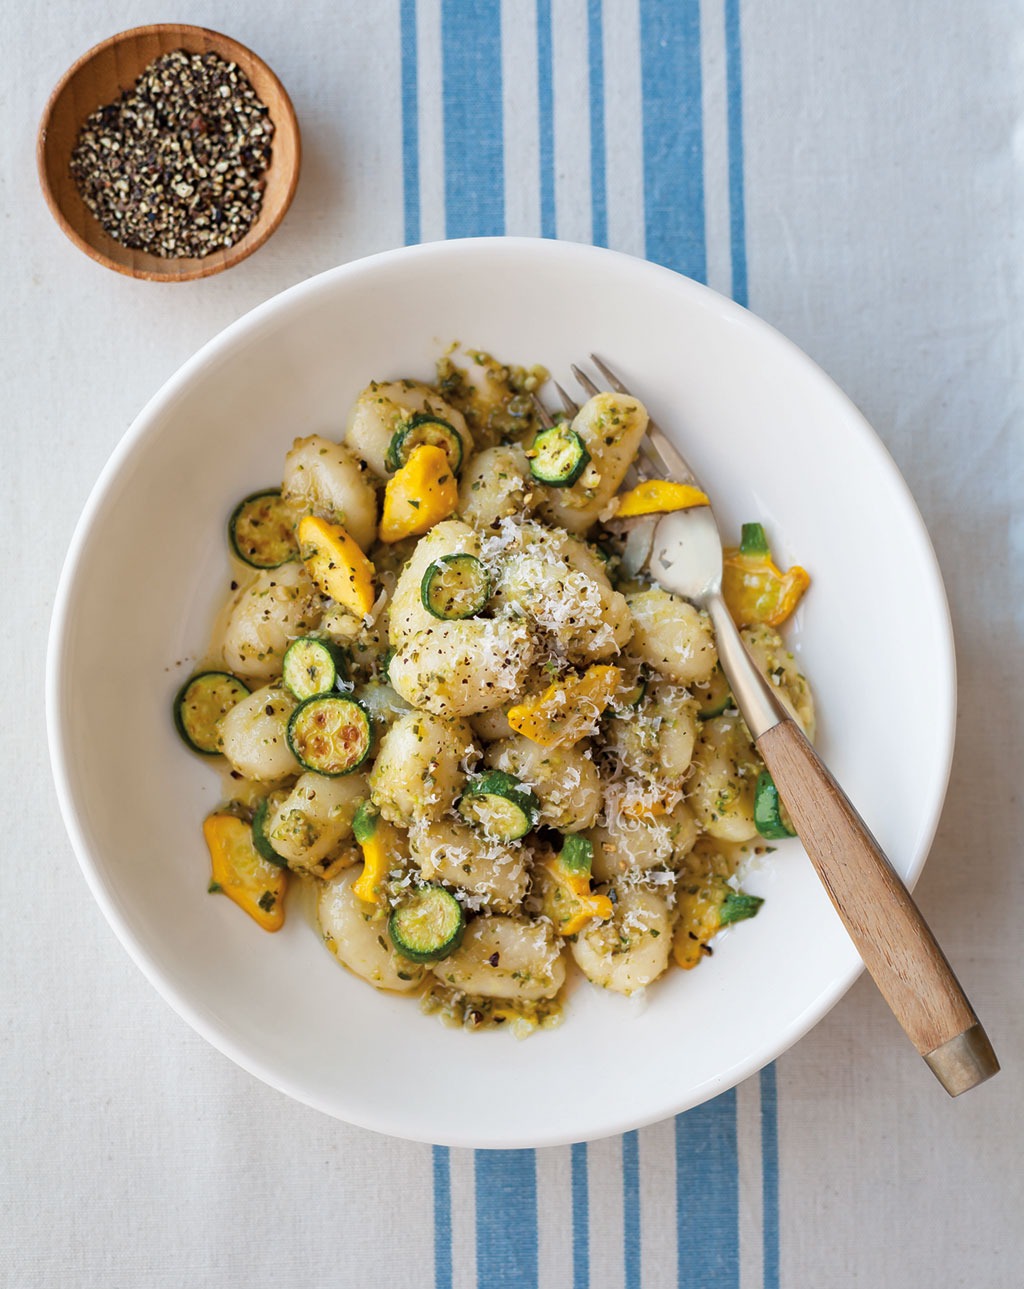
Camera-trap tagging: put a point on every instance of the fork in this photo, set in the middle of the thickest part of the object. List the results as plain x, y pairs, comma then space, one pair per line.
682, 551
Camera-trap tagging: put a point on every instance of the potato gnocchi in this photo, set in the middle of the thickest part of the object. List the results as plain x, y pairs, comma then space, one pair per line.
449, 701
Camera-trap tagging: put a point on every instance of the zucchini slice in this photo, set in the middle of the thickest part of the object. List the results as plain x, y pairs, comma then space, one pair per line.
770, 815
455, 586
627, 699
424, 428
502, 805
716, 697
737, 907
330, 734
262, 530
260, 839
577, 854
200, 703
428, 925
558, 456
365, 821
312, 666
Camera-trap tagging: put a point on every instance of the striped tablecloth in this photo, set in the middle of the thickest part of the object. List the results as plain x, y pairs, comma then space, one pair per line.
848, 171
622, 125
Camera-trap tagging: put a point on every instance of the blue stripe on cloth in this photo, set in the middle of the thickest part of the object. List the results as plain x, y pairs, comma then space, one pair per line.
506, 1219
734, 116
546, 118
631, 1209
410, 124
474, 155
598, 183
672, 135
580, 1218
770, 1175
707, 1195
442, 1218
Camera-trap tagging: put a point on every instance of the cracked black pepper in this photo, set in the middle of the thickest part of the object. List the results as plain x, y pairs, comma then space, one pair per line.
175, 167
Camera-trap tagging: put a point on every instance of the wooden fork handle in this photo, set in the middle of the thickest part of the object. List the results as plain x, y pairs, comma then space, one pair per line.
877, 910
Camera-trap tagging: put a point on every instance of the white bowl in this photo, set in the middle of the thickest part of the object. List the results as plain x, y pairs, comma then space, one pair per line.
773, 438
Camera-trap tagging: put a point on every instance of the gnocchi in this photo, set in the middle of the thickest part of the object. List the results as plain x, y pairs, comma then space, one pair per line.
671, 636
254, 735
503, 957
358, 938
460, 668
309, 825
273, 608
554, 581
327, 479
420, 767
632, 950
495, 486
453, 853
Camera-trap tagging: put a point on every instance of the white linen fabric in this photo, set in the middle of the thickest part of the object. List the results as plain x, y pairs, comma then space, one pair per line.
853, 173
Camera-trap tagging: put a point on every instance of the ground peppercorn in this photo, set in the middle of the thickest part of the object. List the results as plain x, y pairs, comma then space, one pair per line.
175, 167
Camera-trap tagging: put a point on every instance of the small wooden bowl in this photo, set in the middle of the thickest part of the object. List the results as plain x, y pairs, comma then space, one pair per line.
100, 77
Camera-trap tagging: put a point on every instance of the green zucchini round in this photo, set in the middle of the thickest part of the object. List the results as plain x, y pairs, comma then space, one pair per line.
428, 925
623, 703
260, 840
424, 428
199, 705
716, 697
454, 587
262, 530
330, 734
502, 805
558, 456
312, 666
365, 820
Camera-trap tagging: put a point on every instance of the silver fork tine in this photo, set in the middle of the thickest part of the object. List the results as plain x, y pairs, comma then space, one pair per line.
584, 380
646, 450
543, 415
609, 376
656, 447
571, 407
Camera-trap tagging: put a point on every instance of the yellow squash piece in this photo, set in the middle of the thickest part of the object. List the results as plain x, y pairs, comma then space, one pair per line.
337, 564
699, 920
241, 872
568, 900
755, 589
419, 495
568, 710
658, 497
381, 851
706, 902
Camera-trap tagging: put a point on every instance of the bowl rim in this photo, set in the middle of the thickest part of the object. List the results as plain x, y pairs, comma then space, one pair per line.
233, 255
143, 425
